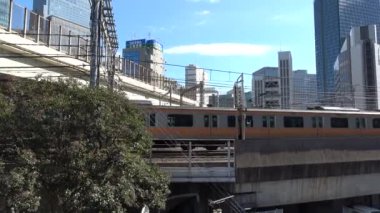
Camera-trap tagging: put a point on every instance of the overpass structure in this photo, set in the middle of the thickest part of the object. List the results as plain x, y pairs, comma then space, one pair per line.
33, 46
281, 172
288, 171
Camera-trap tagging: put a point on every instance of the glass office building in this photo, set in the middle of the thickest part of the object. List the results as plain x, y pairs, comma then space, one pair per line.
76, 11
4, 13
333, 20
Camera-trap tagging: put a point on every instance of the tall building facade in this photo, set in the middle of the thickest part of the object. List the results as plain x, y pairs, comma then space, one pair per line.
282, 88
211, 96
227, 100
304, 90
285, 68
266, 86
4, 13
333, 20
148, 53
193, 76
77, 11
357, 70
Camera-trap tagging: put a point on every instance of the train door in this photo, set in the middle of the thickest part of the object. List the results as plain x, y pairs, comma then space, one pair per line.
210, 122
317, 124
268, 123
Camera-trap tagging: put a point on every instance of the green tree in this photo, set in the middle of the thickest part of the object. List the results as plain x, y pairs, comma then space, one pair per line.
75, 149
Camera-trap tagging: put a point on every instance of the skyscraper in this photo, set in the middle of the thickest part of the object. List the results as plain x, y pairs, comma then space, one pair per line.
4, 13
285, 68
194, 76
304, 90
266, 88
148, 53
77, 11
358, 70
333, 20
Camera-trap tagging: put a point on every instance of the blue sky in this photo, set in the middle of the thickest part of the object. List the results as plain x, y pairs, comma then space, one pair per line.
232, 35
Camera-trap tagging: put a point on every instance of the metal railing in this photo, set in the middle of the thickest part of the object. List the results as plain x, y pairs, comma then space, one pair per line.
44, 31
196, 161
148, 76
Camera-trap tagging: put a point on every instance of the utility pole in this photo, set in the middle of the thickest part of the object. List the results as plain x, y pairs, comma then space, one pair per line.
202, 93
193, 88
240, 105
94, 43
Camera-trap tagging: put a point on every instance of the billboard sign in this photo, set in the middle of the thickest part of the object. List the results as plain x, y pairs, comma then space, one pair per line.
135, 43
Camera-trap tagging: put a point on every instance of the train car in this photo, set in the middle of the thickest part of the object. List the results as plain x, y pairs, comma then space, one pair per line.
210, 124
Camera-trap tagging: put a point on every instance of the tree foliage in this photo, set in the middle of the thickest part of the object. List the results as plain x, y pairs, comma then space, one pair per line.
67, 149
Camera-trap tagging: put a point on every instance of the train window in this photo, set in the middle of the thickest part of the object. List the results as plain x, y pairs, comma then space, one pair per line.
180, 120
152, 119
317, 122
214, 121
265, 124
376, 123
249, 121
339, 123
360, 123
207, 120
270, 120
231, 121
293, 122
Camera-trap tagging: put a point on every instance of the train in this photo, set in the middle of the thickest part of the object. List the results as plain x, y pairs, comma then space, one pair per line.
205, 125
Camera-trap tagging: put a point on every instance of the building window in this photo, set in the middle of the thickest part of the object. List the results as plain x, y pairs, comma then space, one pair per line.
152, 119
179, 120
317, 122
293, 122
339, 123
206, 120
268, 121
271, 84
376, 123
214, 121
360, 123
231, 121
249, 121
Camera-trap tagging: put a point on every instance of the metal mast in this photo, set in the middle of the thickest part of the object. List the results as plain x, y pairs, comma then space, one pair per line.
103, 42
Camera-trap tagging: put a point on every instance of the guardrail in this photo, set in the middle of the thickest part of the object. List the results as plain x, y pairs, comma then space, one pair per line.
196, 161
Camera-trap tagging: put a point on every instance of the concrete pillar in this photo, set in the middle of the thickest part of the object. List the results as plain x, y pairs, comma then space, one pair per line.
49, 34
78, 47
38, 29
60, 38
10, 16
25, 21
87, 52
69, 45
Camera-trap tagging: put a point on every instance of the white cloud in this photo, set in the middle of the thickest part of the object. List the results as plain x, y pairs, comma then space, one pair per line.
204, 13
214, 1
222, 49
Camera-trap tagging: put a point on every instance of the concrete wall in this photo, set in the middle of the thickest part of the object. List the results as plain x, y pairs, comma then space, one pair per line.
288, 171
